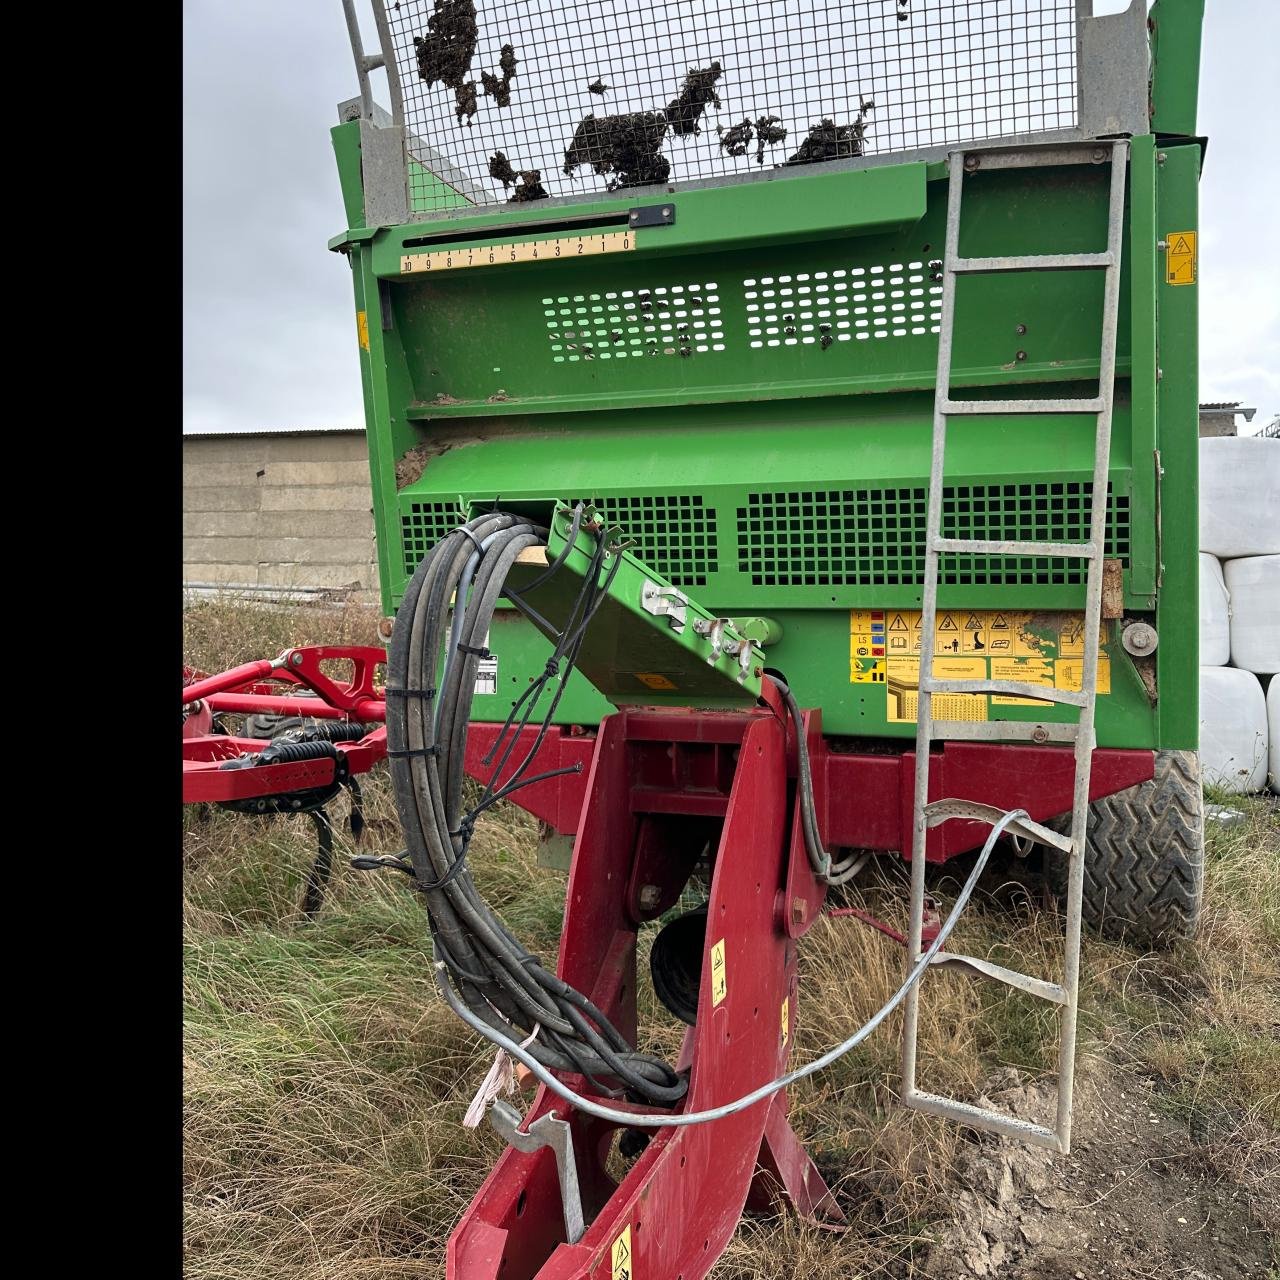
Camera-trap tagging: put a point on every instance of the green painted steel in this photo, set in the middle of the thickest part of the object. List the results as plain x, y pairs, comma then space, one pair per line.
649, 643
1176, 27
748, 391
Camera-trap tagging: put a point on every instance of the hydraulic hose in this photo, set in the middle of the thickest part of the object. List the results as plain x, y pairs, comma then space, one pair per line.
634, 1121
441, 631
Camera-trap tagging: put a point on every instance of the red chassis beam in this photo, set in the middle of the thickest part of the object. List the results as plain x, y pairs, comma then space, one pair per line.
863, 798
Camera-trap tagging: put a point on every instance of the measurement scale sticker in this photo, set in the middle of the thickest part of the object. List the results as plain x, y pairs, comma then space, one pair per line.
719, 983
1180, 257
502, 255
620, 1255
786, 1020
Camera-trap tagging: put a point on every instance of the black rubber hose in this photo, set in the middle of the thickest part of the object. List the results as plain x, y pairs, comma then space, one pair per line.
491, 972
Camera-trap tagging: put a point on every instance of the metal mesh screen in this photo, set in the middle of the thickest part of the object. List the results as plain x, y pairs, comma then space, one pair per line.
501, 97
876, 537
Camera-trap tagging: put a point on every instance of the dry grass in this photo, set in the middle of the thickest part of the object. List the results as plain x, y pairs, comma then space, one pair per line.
325, 1081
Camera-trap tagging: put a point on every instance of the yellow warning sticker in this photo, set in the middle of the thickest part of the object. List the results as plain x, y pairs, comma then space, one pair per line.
362, 329
786, 1020
620, 1255
1044, 648
903, 690
1180, 257
655, 680
719, 982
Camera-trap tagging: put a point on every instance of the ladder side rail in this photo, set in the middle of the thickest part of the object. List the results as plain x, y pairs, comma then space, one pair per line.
1092, 626
929, 611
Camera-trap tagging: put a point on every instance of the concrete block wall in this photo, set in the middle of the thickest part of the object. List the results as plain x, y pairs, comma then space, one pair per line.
279, 512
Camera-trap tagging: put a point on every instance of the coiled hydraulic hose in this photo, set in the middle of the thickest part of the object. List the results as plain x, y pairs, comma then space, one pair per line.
634, 1121
502, 987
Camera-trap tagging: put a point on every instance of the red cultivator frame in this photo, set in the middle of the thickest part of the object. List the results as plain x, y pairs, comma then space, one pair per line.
300, 771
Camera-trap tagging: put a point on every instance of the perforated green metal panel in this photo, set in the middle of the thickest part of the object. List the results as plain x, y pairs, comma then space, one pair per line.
675, 533
422, 525
875, 537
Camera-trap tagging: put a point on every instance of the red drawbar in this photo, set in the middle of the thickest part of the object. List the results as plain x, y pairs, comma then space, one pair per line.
661, 787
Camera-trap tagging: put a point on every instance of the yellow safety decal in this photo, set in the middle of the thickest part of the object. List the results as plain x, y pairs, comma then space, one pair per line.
362, 328
786, 1020
1180, 257
719, 983
561, 248
655, 680
620, 1255
1044, 648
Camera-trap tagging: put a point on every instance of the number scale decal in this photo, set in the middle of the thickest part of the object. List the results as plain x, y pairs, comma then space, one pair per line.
499, 255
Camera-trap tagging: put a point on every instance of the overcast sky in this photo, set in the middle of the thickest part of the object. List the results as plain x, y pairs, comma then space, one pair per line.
269, 334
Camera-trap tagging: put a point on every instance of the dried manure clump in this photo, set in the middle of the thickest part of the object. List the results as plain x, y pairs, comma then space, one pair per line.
830, 141
684, 113
767, 131
499, 87
527, 183
465, 98
737, 141
445, 52
625, 146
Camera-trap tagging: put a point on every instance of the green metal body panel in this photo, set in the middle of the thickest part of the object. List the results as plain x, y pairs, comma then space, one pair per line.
771, 466
636, 651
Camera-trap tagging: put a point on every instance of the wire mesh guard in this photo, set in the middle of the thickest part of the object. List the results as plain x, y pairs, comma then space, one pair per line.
520, 100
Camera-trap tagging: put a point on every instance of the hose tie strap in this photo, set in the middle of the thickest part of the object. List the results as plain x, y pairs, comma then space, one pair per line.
410, 753
475, 542
392, 691
478, 651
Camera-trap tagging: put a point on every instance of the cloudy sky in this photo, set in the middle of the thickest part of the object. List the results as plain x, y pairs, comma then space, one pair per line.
269, 332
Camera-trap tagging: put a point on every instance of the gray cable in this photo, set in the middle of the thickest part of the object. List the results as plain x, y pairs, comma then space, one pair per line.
633, 1120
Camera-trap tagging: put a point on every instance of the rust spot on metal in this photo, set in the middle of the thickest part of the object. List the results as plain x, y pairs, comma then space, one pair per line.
1112, 589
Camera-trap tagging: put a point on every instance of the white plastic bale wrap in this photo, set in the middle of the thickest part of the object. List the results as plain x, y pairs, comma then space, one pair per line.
1233, 729
1273, 727
1215, 616
1254, 587
1239, 496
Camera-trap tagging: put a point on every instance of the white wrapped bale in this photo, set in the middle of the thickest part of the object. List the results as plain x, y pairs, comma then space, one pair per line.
1233, 729
1215, 616
1273, 728
1253, 585
1239, 496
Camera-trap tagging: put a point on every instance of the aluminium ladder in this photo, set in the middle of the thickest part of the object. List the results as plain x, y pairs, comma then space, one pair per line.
1081, 734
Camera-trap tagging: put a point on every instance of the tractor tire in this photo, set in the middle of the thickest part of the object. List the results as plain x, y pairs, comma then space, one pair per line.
1144, 857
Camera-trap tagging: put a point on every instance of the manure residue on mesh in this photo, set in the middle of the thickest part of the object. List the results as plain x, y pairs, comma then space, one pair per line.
625, 147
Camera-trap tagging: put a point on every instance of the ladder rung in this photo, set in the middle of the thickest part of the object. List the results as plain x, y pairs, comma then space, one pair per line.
1002, 731
1037, 987
1032, 262
981, 1118
1039, 157
952, 407
940, 811
1007, 689
981, 547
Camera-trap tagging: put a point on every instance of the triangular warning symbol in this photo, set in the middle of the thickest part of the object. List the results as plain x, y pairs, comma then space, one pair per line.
1180, 246
973, 624
899, 623
948, 623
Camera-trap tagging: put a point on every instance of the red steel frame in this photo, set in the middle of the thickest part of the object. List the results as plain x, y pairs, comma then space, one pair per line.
656, 788
271, 687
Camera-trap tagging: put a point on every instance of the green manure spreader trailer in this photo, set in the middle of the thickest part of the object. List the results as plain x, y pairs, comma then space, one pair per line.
782, 422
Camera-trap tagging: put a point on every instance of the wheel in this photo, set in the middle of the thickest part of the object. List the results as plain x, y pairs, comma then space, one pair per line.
1144, 857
